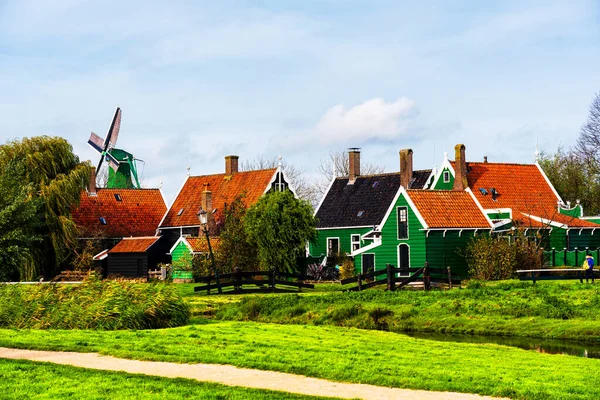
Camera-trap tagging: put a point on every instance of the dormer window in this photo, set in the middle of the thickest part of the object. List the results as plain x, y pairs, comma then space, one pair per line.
446, 176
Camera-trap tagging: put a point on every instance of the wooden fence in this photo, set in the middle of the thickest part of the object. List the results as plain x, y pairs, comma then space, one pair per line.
259, 282
395, 279
556, 274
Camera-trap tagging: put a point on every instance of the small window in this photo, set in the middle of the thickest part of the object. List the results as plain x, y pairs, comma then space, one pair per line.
333, 246
375, 184
446, 176
118, 197
180, 212
355, 241
402, 222
360, 213
102, 221
483, 191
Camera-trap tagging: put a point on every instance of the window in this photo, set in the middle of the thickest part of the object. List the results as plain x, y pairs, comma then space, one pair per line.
360, 213
180, 212
333, 246
118, 197
355, 241
483, 191
102, 221
402, 213
375, 184
446, 176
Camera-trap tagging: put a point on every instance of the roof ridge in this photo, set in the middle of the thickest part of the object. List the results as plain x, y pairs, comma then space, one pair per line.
370, 175
140, 237
497, 163
239, 172
98, 189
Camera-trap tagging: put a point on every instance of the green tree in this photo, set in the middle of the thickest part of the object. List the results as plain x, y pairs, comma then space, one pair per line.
280, 225
236, 249
53, 178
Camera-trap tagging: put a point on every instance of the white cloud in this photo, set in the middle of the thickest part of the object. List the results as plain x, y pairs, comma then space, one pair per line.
374, 119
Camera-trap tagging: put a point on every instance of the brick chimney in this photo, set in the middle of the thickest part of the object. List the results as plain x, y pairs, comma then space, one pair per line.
354, 164
207, 199
231, 165
92, 182
460, 168
406, 167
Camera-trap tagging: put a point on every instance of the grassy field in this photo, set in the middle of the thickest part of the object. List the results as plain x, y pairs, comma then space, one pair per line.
511, 308
32, 380
340, 354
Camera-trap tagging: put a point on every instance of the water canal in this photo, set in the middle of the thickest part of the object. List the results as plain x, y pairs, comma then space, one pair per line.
550, 346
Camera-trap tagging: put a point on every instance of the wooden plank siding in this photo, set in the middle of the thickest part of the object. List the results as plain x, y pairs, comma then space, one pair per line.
319, 246
448, 251
387, 252
440, 185
179, 251
126, 264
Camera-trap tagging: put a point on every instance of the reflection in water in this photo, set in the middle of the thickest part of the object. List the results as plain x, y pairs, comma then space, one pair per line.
550, 346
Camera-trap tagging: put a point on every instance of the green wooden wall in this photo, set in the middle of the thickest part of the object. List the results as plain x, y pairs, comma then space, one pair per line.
499, 215
387, 252
440, 185
448, 251
319, 246
179, 251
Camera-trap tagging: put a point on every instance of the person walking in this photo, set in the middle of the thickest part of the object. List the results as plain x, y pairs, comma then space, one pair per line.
589, 270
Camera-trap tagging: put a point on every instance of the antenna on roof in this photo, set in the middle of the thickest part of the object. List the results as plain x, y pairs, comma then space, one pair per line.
537, 150
188, 170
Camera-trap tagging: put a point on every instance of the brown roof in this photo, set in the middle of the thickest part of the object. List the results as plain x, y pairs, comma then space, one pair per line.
137, 214
252, 184
520, 187
448, 209
134, 244
200, 245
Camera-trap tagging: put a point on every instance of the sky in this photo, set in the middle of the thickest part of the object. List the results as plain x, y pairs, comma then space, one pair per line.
201, 80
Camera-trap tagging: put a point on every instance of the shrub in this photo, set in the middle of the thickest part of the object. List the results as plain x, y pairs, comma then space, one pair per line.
347, 269
94, 304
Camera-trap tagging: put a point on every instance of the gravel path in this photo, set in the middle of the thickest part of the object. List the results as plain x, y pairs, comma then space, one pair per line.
234, 376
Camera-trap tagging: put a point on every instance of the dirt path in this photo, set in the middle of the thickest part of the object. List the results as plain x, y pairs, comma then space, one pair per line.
233, 376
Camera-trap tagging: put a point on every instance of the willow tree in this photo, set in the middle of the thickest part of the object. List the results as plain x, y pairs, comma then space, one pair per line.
50, 177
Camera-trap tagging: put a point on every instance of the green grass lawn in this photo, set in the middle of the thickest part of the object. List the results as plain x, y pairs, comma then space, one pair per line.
340, 354
509, 308
33, 380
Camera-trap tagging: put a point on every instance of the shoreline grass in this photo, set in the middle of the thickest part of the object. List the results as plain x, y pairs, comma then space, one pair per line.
339, 354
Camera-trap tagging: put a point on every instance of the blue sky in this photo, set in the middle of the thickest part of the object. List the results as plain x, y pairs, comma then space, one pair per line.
200, 80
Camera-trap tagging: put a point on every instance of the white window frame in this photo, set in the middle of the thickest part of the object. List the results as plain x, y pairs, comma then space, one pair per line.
354, 240
338, 246
398, 223
446, 176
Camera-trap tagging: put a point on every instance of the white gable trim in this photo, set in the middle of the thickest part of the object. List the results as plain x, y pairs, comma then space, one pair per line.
324, 195
414, 208
287, 180
174, 199
445, 164
546, 221
548, 182
468, 190
366, 248
181, 239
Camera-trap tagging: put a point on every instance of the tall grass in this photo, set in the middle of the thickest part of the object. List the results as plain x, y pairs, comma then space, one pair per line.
94, 304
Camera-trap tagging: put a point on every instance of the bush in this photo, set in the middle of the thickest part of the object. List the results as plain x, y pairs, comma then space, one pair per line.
94, 304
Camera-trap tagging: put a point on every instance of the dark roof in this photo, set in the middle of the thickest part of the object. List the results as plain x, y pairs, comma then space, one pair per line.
118, 213
363, 203
134, 244
419, 179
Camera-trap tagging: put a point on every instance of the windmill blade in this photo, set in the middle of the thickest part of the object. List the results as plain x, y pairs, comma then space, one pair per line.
96, 142
113, 132
112, 161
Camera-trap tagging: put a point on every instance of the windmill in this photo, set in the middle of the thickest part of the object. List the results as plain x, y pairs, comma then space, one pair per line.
122, 170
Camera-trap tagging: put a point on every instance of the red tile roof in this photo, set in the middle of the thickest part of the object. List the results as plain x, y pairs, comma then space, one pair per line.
137, 214
224, 190
200, 245
521, 187
134, 244
448, 209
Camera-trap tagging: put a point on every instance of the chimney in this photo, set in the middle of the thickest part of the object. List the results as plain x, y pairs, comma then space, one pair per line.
406, 167
460, 168
207, 199
92, 182
354, 164
231, 165
485, 159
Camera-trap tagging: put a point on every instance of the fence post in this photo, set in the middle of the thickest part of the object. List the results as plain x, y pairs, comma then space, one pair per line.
237, 282
426, 277
449, 277
553, 257
576, 257
391, 282
565, 257
359, 282
272, 280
